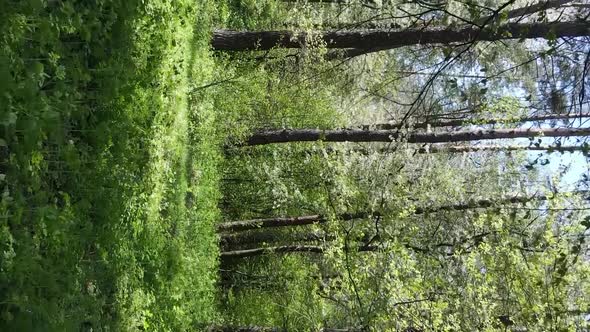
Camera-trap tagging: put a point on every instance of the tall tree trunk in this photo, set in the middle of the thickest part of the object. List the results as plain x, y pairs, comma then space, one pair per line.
585, 149
478, 148
514, 13
243, 225
358, 135
233, 328
365, 3
372, 238
242, 239
226, 40
464, 122
528, 10
282, 249
475, 240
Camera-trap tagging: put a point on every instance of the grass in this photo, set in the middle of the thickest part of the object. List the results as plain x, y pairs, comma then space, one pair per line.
109, 176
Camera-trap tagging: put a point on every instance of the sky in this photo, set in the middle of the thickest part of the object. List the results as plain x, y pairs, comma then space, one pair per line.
575, 162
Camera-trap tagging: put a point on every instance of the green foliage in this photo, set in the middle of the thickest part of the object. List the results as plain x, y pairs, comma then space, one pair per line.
459, 270
495, 267
252, 14
286, 297
109, 191
274, 95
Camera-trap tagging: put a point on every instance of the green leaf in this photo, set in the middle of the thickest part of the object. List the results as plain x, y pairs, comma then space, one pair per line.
447, 52
551, 38
37, 68
49, 114
9, 119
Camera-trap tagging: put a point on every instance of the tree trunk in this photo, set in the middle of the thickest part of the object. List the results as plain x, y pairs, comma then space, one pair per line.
475, 148
585, 149
243, 225
235, 240
365, 3
474, 122
226, 40
282, 249
232, 328
528, 10
359, 135
479, 148
518, 12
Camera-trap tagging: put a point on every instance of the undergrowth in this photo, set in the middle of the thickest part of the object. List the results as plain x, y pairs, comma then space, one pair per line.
108, 170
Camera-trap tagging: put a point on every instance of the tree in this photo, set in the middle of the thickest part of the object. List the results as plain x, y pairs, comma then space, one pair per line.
473, 148
225, 40
357, 135
243, 225
467, 121
282, 249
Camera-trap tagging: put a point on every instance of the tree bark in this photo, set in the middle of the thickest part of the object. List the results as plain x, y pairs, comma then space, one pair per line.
233, 328
234, 240
474, 122
359, 135
243, 225
475, 148
226, 40
585, 149
528, 10
518, 12
282, 249
365, 3
480, 148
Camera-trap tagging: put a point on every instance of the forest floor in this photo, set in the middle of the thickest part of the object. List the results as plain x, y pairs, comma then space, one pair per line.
109, 155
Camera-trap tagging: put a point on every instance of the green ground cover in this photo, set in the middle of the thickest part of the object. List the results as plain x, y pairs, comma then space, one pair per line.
108, 165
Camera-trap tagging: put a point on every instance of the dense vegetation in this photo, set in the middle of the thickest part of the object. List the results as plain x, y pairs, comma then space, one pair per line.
104, 169
143, 187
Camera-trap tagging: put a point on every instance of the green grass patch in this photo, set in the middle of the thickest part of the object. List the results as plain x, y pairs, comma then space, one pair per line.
108, 170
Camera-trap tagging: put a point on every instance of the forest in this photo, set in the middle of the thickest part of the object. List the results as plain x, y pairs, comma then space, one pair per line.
295, 165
